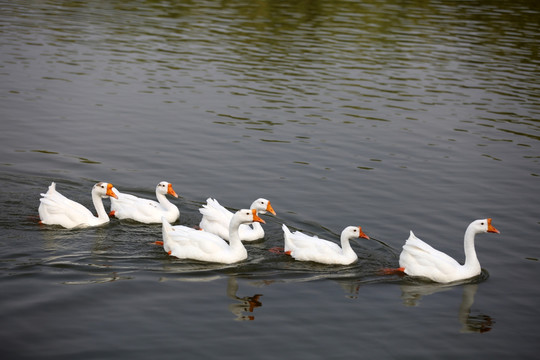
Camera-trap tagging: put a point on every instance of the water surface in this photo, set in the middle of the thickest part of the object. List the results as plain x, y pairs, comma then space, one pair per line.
391, 115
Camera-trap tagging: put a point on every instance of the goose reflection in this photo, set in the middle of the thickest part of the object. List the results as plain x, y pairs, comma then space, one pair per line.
349, 287
243, 307
472, 323
480, 323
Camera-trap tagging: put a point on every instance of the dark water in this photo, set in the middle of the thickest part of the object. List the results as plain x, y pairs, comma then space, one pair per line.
392, 115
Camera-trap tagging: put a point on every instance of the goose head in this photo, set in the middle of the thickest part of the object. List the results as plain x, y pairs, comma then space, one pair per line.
353, 232
247, 216
165, 188
262, 206
104, 189
482, 226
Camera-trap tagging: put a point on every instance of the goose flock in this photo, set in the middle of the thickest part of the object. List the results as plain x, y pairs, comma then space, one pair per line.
222, 233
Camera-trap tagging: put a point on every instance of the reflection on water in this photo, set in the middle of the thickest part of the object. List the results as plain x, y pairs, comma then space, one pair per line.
98, 279
471, 323
350, 288
242, 304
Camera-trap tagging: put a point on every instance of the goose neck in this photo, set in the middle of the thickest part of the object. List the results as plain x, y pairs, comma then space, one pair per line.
470, 252
98, 205
234, 235
345, 244
162, 199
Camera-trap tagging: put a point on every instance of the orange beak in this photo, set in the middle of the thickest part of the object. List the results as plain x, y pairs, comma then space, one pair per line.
256, 217
270, 209
171, 191
362, 235
491, 228
110, 191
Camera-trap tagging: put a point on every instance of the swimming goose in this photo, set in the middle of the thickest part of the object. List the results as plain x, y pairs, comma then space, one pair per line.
216, 220
188, 243
147, 211
311, 248
56, 209
419, 259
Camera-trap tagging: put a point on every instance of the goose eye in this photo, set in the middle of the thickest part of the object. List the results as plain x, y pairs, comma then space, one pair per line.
482, 223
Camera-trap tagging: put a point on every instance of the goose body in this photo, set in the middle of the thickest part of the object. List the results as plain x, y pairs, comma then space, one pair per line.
216, 219
56, 209
147, 211
420, 259
187, 243
303, 247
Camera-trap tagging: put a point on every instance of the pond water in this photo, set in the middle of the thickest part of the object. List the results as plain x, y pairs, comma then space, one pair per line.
392, 115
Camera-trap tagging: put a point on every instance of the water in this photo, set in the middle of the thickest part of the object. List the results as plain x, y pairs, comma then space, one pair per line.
386, 114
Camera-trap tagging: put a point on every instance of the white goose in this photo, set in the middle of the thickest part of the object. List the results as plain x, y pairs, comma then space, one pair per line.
420, 259
311, 248
147, 211
188, 243
56, 209
216, 220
